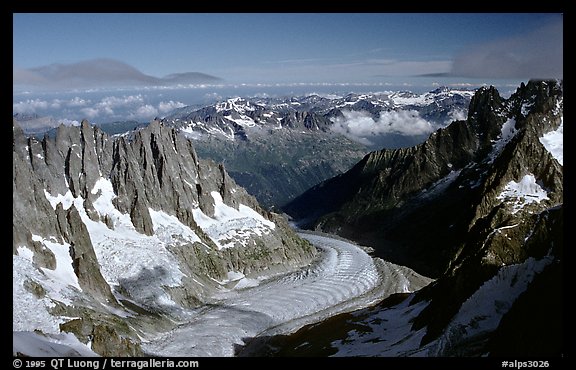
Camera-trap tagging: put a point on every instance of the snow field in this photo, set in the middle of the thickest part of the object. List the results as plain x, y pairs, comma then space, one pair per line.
230, 227
524, 192
553, 141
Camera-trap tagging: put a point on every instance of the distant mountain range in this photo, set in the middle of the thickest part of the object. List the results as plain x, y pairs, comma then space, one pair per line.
278, 147
101, 73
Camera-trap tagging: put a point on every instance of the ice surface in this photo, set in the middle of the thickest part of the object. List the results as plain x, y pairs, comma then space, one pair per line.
344, 279
482, 312
389, 333
339, 282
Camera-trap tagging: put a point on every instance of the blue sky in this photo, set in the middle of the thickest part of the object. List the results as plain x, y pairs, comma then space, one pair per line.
108, 67
268, 48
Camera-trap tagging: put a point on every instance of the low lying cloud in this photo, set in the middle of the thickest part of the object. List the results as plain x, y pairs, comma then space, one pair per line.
37, 105
90, 113
537, 54
361, 126
144, 112
167, 106
107, 108
456, 115
29, 106
107, 105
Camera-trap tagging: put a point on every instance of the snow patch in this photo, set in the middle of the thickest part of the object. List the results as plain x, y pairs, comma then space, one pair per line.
521, 193
231, 227
30, 313
507, 132
67, 199
55, 345
141, 264
242, 121
482, 312
64, 271
387, 333
553, 141
24, 252
525, 109
168, 228
439, 186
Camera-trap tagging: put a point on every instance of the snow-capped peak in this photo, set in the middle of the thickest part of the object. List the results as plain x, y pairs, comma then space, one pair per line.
236, 104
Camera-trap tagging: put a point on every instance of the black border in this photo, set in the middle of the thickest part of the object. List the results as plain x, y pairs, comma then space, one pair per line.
433, 6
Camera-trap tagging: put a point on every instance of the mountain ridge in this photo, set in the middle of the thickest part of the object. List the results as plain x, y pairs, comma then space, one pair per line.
487, 227
116, 231
279, 147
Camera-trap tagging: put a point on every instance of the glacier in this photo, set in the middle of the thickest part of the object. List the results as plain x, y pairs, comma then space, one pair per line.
346, 278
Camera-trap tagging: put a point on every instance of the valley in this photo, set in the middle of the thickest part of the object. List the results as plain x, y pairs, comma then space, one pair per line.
343, 279
176, 238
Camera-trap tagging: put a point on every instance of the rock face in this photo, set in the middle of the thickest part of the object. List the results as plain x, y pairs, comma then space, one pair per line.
130, 227
480, 202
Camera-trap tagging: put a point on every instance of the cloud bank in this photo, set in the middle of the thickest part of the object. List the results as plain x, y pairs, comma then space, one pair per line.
361, 126
98, 73
537, 54
107, 108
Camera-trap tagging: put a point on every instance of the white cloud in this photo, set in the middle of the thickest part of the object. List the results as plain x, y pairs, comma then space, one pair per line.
360, 126
107, 105
120, 101
29, 106
56, 104
77, 102
144, 112
165, 107
90, 112
456, 115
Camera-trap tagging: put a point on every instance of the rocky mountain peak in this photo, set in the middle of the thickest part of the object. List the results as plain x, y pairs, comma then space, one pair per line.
486, 115
494, 146
102, 220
